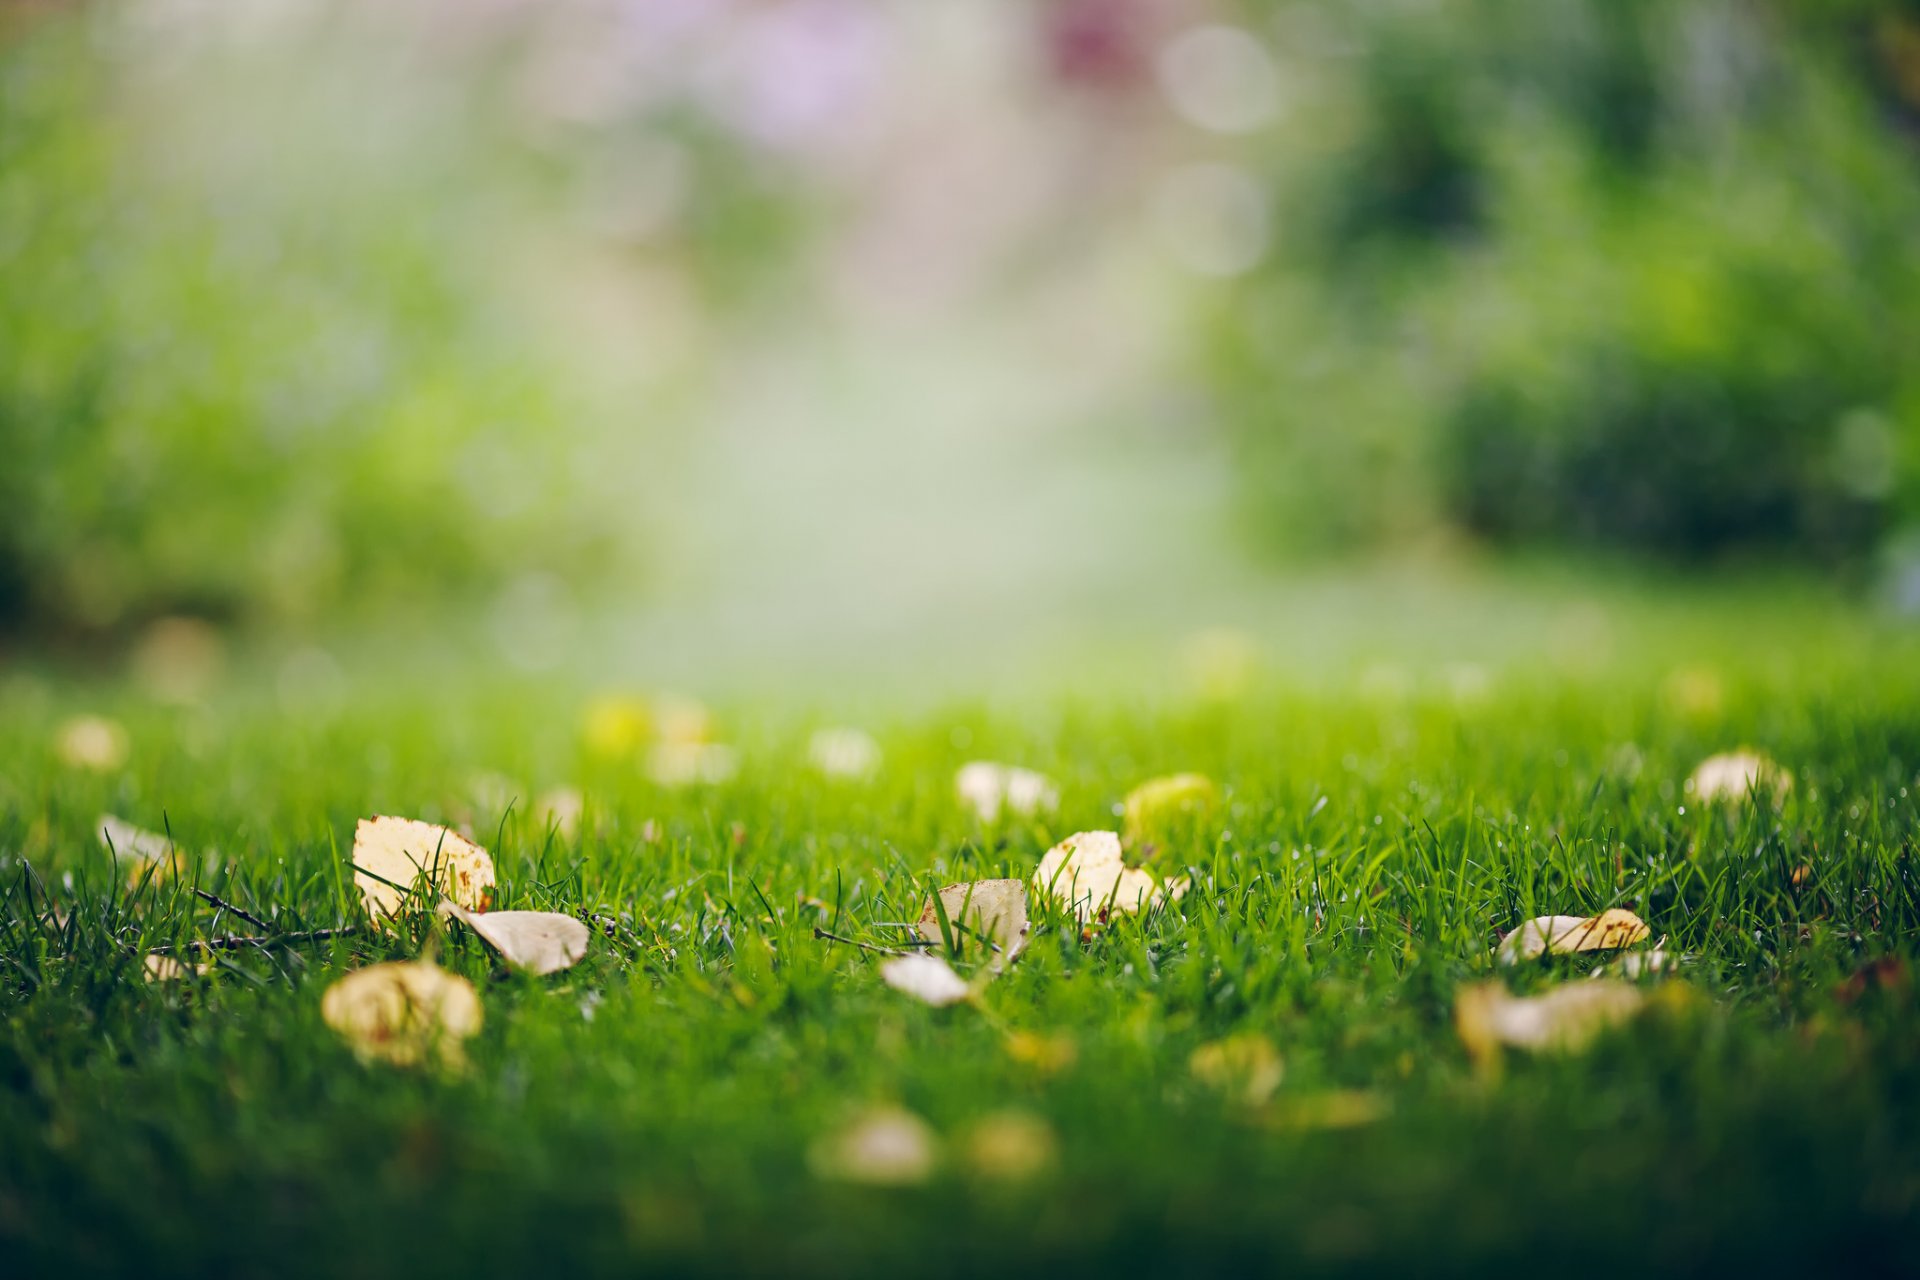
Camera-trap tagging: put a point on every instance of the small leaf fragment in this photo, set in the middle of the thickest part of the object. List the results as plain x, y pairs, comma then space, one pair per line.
403, 1010
1087, 873
1246, 1068
161, 968
844, 753
1565, 935
926, 978
541, 942
1734, 776
398, 851
885, 1146
991, 789
146, 853
1566, 1018
1158, 804
1010, 1146
995, 910
91, 742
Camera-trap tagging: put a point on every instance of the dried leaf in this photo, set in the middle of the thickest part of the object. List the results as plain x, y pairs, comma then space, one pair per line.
1643, 963
91, 742
926, 978
1245, 1067
1566, 1018
1086, 873
146, 853
995, 909
1158, 803
1735, 776
1047, 1054
161, 968
885, 1146
401, 1011
1011, 1146
541, 942
559, 809
992, 789
849, 754
1564, 935
398, 851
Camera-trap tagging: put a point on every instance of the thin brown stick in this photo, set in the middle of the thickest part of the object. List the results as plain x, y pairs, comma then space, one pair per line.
233, 942
823, 936
218, 901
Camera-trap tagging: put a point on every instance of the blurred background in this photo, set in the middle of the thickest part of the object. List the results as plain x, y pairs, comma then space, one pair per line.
655, 337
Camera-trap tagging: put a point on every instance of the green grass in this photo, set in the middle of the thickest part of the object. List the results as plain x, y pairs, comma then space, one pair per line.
652, 1109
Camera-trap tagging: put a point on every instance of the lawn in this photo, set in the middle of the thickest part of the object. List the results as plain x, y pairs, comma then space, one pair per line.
663, 1106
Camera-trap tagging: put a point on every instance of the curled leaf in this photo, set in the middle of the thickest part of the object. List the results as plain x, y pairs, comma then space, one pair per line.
926, 978
1567, 1018
885, 1146
541, 942
1564, 935
401, 1011
145, 853
1154, 806
1735, 775
995, 910
390, 852
991, 789
1244, 1067
1087, 873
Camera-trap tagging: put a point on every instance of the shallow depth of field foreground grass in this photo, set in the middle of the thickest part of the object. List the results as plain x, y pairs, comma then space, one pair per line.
655, 1107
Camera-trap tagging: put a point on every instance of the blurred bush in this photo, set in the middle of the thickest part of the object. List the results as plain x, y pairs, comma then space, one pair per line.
1607, 272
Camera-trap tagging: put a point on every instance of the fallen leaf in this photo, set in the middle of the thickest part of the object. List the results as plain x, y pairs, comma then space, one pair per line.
885, 1146
1735, 776
1010, 1146
146, 853
401, 1011
541, 942
1086, 873
1047, 1054
1642, 963
1245, 1067
401, 850
559, 809
1566, 1018
161, 968
1564, 935
683, 764
926, 978
995, 909
848, 754
992, 789
1158, 803
91, 742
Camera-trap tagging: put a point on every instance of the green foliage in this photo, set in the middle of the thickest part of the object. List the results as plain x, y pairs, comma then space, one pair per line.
1634, 275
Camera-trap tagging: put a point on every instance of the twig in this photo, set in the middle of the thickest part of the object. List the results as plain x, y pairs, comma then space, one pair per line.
233, 942
248, 916
823, 936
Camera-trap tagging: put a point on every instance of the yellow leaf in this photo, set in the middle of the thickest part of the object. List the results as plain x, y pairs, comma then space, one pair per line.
541, 942
1010, 1146
991, 789
1086, 873
1159, 803
995, 910
926, 978
398, 851
1566, 1018
885, 1146
1564, 935
1047, 1054
615, 725
91, 742
161, 968
1245, 1067
1733, 776
401, 1011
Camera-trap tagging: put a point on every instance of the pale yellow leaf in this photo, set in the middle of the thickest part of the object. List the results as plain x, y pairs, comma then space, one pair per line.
1087, 874
402, 1011
1564, 935
1566, 1018
686, 764
844, 753
1047, 1054
541, 942
560, 809
148, 855
1736, 775
926, 978
91, 742
1245, 1067
1010, 1146
161, 968
994, 909
1160, 804
991, 789
885, 1146
400, 851
615, 726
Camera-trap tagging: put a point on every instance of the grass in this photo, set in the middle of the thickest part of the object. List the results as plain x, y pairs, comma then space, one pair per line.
653, 1108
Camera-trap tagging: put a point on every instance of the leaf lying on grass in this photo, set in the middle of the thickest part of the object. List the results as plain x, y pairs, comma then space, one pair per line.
390, 852
1565, 935
1047, 1054
1246, 1068
991, 789
995, 910
1567, 1018
1642, 963
1155, 805
1086, 873
884, 1146
401, 1011
161, 968
541, 942
1010, 1146
1736, 775
926, 978
145, 853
